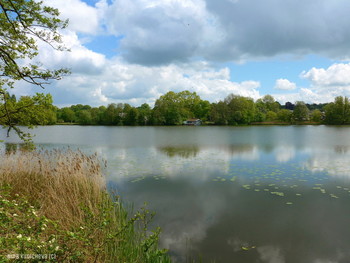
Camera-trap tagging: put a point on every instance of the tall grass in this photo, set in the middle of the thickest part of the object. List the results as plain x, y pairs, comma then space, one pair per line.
55, 202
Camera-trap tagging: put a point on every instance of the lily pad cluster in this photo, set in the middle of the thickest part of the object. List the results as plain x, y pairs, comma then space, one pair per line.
285, 180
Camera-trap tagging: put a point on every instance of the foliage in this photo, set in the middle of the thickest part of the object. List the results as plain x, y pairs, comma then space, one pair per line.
27, 111
301, 112
66, 115
219, 113
338, 112
241, 109
316, 115
144, 114
24, 23
271, 116
284, 115
173, 108
266, 104
108, 236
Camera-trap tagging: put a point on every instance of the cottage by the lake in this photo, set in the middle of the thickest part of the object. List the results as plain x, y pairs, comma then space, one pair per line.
192, 122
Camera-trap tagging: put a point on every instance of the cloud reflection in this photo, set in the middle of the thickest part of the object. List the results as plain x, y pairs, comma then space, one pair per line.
335, 163
285, 153
271, 254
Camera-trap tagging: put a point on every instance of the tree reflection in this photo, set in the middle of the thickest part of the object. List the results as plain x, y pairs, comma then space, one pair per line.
181, 151
341, 149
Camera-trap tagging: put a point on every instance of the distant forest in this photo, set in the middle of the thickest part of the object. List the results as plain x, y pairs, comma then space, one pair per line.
175, 108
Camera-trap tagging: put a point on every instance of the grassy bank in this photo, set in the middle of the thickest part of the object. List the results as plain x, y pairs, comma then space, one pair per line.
54, 208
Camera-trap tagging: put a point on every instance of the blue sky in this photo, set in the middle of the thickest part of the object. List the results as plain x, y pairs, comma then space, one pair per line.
133, 51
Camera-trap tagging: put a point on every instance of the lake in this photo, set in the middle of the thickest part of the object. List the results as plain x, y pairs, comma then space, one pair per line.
274, 194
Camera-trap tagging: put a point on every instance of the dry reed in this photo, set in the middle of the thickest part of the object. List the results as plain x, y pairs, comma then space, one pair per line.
60, 181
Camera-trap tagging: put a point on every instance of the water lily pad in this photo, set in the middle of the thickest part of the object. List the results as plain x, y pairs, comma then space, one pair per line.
246, 248
333, 196
277, 193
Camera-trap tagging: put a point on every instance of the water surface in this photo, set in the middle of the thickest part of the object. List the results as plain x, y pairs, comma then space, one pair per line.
270, 194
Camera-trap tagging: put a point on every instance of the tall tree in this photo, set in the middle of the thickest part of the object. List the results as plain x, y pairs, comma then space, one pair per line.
110, 114
219, 113
67, 115
23, 23
338, 112
241, 109
173, 108
130, 115
267, 103
144, 115
316, 115
84, 117
301, 112
284, 115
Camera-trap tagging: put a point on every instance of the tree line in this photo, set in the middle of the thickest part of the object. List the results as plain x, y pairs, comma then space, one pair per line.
174, 108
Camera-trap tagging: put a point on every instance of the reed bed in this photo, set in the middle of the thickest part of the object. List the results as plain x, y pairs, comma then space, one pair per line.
55, 202
60, 181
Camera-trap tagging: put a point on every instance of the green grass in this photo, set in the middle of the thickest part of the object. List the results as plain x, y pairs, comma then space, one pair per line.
54, 204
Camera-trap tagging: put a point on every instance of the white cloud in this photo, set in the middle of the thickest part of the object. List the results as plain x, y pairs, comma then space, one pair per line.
169, 45
82, 17
285, 84
160, 32
97, 80
325, 85
306, 95
335, 75
79, 59
135, 84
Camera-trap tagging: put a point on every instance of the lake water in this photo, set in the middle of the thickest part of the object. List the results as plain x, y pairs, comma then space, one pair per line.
274, 194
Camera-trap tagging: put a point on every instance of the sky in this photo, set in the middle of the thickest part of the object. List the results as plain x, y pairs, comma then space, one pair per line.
134, 51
